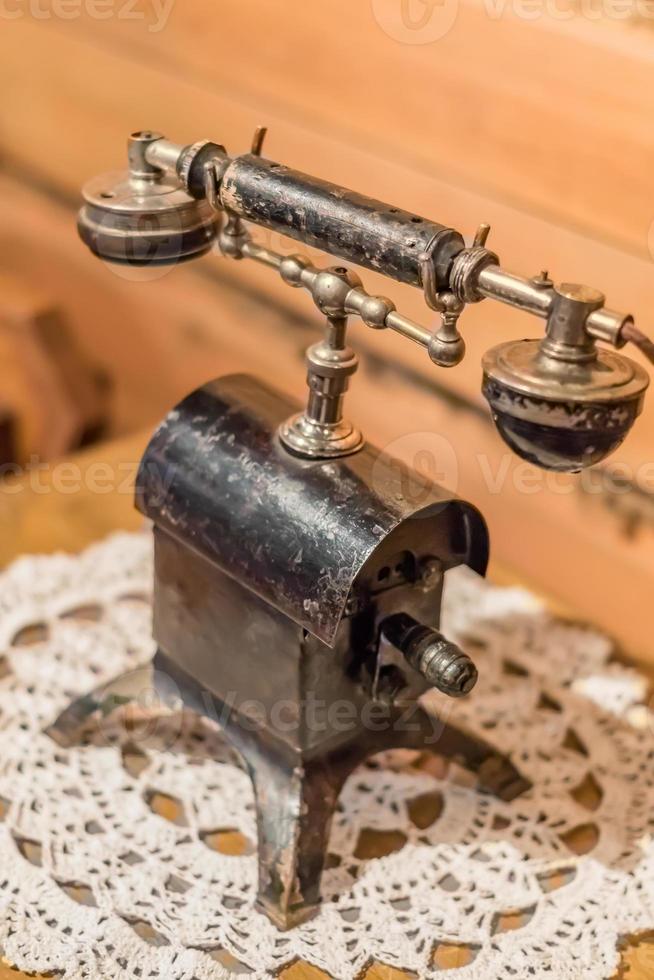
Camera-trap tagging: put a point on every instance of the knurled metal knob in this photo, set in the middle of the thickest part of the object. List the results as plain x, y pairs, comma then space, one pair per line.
442, 663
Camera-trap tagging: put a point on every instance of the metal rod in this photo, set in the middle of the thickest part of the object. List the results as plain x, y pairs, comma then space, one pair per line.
164, 154
608, 325
521, 293
408, 328
263, 255
335, 332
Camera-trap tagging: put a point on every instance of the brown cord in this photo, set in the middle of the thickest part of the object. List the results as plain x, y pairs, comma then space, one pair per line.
632, 334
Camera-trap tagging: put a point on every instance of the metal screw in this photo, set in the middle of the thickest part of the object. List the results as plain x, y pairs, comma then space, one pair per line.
431, 572
542, 280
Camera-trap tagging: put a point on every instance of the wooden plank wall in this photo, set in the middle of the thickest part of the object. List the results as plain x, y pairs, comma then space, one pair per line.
540, 125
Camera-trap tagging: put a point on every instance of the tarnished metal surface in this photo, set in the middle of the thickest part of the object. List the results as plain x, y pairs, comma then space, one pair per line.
277, 582
295, 531
296, 794
370, 233
562, 414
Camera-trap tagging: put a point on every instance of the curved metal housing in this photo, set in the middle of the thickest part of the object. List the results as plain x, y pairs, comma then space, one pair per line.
296, 532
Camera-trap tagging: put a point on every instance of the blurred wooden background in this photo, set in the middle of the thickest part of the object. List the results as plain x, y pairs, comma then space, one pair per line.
463, 111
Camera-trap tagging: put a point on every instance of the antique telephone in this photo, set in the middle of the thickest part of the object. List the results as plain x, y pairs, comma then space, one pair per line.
289, 566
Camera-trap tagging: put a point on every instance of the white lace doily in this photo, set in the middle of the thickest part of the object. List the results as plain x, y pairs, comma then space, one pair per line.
123, 860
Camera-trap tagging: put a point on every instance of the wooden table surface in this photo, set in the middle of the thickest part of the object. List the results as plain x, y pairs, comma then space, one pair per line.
67, 506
